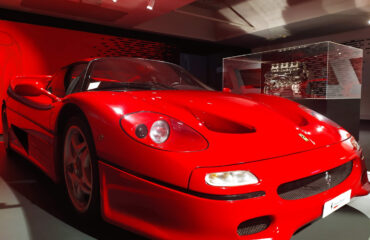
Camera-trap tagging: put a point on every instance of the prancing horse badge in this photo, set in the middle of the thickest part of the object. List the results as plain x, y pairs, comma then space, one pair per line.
303, 137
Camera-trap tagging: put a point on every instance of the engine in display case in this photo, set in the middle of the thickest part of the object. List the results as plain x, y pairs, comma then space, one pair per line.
323, 70
325, 77
286, 79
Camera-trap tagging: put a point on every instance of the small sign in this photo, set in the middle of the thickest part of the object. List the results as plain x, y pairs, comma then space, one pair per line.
336, 203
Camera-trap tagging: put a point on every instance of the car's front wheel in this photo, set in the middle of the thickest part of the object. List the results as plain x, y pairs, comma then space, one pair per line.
5, 130
80, 167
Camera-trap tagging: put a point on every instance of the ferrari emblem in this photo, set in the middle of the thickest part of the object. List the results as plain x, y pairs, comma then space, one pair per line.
303, 137
328, 178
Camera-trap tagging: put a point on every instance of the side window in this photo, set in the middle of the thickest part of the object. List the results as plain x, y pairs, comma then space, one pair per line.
73, 76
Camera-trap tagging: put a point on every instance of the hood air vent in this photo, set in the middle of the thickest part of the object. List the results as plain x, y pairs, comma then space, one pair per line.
222, 125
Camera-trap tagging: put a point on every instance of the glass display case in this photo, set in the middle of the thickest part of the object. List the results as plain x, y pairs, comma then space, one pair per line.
324, 70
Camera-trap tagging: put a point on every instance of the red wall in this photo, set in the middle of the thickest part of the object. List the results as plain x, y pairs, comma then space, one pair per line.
32, 49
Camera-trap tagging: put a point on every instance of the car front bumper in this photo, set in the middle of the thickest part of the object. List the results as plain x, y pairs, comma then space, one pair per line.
162, 211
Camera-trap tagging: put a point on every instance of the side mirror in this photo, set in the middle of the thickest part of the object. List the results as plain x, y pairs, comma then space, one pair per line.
33, 89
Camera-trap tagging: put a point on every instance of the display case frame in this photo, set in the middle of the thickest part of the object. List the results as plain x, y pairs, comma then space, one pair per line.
324, 70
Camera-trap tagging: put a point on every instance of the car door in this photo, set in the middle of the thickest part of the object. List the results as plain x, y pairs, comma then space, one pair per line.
31, 130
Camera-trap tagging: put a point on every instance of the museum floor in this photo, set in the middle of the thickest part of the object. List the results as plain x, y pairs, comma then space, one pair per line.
33, 207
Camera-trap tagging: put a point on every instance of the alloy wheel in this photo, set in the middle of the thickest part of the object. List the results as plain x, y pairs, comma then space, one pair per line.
78, 168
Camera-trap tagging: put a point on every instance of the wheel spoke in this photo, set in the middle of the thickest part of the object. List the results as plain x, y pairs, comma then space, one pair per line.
81, 147
73, 178
85, 188
70, 160
86, 180
77, 146
79, 188
86, 168
79, 193
84, 157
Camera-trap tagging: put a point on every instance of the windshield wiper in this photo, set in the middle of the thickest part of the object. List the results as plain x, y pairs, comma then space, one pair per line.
157, 84
145, 86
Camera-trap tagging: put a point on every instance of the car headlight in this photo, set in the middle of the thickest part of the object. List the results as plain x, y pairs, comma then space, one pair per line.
231, 178
355, 144
162, 132
159, 131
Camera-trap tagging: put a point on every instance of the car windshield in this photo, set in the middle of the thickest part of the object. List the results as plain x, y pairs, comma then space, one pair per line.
127, 74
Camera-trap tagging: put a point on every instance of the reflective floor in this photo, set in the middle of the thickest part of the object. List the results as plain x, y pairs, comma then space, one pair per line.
33, 207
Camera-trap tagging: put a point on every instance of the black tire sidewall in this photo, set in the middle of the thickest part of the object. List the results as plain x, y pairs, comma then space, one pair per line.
4, 121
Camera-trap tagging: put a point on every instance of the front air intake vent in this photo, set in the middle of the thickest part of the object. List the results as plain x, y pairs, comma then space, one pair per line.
254, 225
315, 184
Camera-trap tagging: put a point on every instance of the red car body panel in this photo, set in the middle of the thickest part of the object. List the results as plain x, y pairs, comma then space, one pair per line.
162, 193
224, 149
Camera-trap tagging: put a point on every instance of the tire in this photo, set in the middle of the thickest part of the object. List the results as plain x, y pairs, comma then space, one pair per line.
80, 168
4, 120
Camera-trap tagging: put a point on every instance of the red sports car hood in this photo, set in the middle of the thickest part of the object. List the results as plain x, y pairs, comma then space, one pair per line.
255, 126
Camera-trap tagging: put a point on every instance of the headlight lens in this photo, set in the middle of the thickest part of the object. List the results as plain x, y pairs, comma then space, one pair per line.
159, 131
355, 144
163, 132
141, 131
231, 178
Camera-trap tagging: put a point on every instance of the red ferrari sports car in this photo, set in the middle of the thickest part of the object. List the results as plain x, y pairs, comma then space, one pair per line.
157, 152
